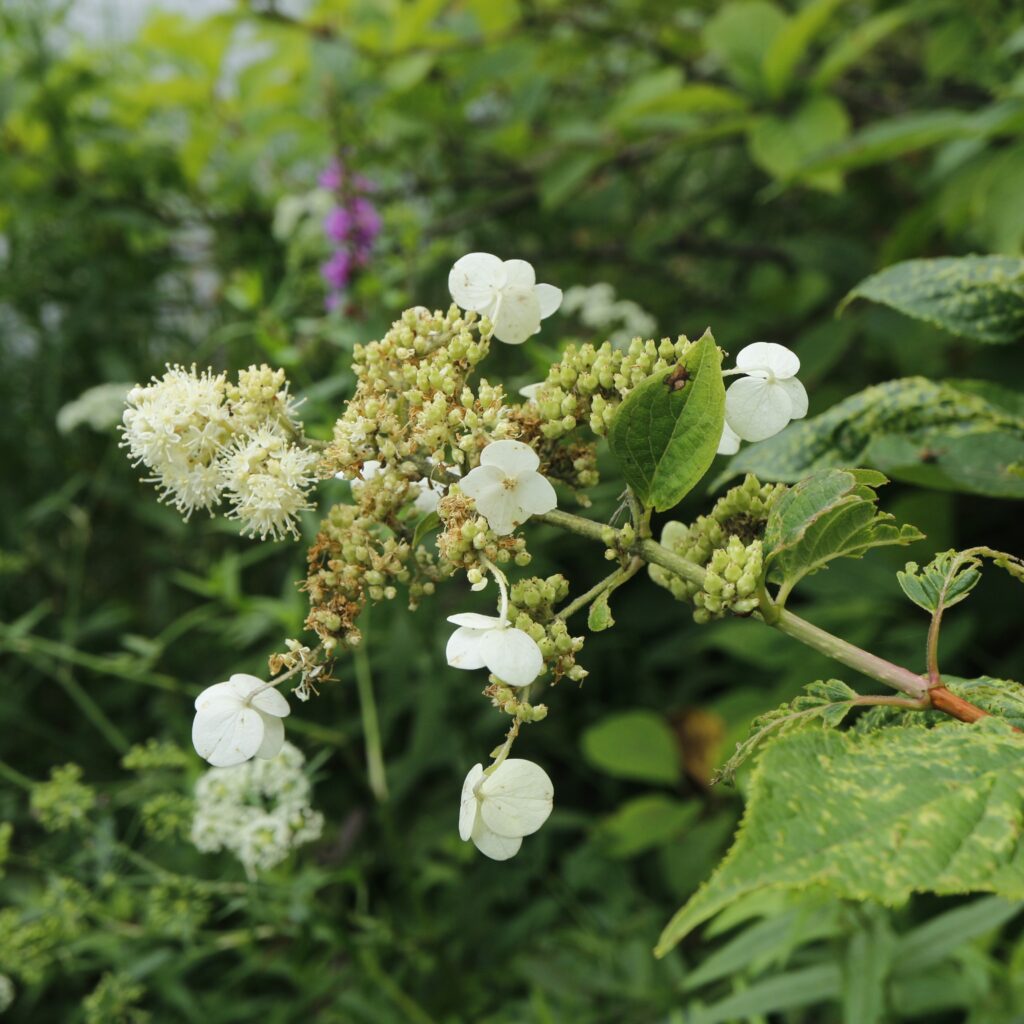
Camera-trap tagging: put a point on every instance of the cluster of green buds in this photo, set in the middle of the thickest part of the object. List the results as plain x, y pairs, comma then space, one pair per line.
731, 581
467, 540
727, 542
532, 609
587, 384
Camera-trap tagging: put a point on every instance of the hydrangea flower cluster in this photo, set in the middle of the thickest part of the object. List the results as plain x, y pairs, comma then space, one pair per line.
351, 227
259, 810
206, 440
443, 472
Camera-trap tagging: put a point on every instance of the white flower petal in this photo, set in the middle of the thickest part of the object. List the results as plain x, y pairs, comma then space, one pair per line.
465, 648
531, 391
519, 274
757, 408
512, 655
770, 357
501, 510
797, 397
549, 298
273, 737
476, 621
483, 480
271, 702
516, 798
730, 442
469, 805
221, 697
490, 844
227, 738
512, 457
516, 316
475, 279
534, 496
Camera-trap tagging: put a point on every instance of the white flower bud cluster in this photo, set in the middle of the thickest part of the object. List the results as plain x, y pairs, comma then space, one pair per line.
259, 811
204, 440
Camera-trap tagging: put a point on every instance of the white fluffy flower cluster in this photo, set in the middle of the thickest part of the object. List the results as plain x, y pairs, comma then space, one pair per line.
205, 440
503, 804
259, 811
764, 400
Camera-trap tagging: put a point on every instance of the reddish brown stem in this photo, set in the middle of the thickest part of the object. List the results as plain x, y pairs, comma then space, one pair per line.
956, 706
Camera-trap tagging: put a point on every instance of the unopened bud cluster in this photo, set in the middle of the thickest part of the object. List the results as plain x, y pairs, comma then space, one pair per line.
731, 581
467, 539
587, 384
532, 609
727, 542
206, 440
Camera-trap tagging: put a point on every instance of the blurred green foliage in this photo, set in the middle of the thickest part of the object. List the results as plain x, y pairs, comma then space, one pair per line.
740, 165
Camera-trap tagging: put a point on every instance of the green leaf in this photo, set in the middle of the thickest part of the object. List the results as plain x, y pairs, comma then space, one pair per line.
929, 944
951, 575
566, 176
740, 35
431, 521
876, 817
666, 432
793, 41
869, 957
976, 297
886, 140
634, 745
783, 145
1002, 698
645, 823
786, 991
599, 617
825, 702
911, 429
858, 41
832, 514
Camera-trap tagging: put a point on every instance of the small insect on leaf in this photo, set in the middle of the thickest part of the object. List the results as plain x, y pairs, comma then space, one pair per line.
677, 379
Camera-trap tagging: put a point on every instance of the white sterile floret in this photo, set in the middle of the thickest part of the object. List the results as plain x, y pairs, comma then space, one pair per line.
506, 292
498, 809
730, 442
260, 811
267, 480
431, 493
760, 404
506, 487
238, 720
491, 642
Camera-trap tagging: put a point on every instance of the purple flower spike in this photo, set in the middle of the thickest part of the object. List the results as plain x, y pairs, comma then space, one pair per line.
338, 224
337, 269
332, 177
366, 219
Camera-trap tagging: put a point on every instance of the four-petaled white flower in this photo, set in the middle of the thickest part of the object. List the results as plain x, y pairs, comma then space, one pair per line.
491, 642
238, 720
506, 486
506, 292
768, 397
497, 810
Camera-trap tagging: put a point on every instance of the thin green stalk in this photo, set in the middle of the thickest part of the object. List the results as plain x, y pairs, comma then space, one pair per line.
610, 582
13, 776
375, 770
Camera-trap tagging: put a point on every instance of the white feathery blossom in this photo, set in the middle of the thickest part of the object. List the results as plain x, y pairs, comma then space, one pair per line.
500, 807
177, 426
506, 487
237, 720
763, 402
267, 480
506, 292
260, 810
204, 439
